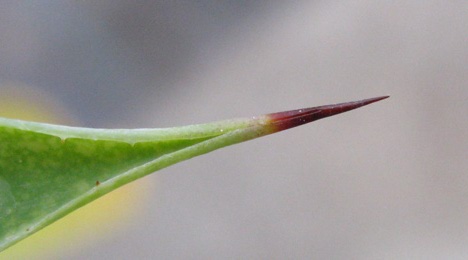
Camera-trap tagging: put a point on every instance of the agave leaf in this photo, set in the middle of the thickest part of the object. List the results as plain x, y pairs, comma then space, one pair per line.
47, 171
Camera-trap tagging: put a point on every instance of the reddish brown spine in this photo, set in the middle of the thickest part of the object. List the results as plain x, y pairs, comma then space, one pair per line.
289, 119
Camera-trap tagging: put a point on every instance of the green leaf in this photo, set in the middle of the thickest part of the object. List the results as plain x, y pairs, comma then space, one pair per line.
47, 171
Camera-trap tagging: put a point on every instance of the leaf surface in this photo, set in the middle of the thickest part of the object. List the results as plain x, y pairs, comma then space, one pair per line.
47, 171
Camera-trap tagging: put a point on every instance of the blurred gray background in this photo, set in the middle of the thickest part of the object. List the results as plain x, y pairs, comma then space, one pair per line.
388, 181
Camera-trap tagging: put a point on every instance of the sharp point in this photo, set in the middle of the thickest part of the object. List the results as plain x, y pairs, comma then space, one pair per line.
289, 119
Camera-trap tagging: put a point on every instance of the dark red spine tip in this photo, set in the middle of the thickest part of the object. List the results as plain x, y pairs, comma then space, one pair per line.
289, 119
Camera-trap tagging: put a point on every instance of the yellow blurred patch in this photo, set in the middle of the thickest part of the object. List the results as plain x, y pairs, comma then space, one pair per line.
87, 225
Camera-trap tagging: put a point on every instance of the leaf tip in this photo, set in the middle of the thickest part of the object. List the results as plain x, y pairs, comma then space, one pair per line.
292, 118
